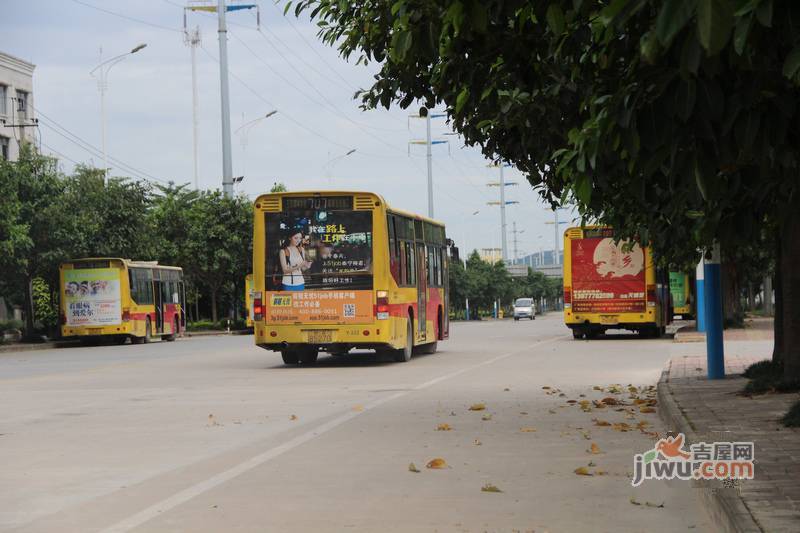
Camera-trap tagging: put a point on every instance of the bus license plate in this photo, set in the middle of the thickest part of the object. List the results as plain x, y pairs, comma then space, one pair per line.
609, 319
320, 335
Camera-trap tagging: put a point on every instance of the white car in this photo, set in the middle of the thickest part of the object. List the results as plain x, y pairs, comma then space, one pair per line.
524, 308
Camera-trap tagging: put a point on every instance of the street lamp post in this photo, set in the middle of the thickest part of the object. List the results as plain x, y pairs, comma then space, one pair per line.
102, 84
332, 161
245, 130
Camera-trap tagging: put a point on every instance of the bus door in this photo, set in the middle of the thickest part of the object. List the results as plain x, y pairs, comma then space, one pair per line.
422, 291
159, 305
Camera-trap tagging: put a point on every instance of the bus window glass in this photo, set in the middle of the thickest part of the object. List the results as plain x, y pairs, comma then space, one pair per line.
318, 249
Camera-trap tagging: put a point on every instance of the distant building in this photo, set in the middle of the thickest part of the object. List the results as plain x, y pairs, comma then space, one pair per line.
491, 255
16, 105
543, 261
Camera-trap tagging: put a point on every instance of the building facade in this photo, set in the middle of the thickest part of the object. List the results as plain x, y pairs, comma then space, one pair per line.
17, 122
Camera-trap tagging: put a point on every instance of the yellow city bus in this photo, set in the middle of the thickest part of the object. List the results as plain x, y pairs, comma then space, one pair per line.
120, 299
248, 288
336, 271
612, 285
680, 286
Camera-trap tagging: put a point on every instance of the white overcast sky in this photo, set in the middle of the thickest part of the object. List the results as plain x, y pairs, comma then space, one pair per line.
283, 67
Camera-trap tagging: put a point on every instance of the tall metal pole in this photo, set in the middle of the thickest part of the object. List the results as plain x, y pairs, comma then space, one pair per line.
194, 40
227, 162
556, 259
102, 85
430, 164
715, 351
503, 241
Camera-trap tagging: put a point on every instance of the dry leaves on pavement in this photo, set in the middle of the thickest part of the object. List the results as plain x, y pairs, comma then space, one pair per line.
437, 464
583, 471
413, 468
444, 427
477, 407
595, 449
527, 430
490, 488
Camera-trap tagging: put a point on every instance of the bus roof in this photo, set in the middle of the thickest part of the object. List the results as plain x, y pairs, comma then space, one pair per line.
347, 193
127, 262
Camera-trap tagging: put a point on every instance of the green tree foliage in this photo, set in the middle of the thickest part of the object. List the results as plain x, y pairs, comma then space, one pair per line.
675, 120
219, 242
278, 187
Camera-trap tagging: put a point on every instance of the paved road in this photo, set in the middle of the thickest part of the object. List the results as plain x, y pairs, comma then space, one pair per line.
214, 434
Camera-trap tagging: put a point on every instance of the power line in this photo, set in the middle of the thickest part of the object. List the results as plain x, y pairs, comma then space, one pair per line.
60, 154
90, 148
126, 17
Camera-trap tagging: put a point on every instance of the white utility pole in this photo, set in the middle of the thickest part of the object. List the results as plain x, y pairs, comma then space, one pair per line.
557, 259
503, 242
430, 164
102, 84
227, 161
192, 39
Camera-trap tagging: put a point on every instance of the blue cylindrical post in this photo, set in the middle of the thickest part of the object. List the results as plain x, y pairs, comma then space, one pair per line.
715, 351
700, 298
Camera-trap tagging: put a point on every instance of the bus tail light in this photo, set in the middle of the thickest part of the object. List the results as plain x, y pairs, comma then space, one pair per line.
258, 307
567, 297
126, 315
651, 296
382, 305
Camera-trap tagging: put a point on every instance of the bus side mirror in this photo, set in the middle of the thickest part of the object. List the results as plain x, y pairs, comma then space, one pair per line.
454, 254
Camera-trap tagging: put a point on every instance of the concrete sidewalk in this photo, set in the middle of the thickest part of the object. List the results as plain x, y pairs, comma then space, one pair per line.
756, 328
714, 411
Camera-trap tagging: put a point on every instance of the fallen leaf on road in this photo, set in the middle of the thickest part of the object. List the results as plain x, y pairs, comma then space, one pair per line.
591, 463
551, 411
443, 427
598, 405
657, 506
583, 471
546, 387
486, 417
645, 409
572, 401
632, 389
586, 435
413, 468
601, 473
634, 502
610, 401
621, 426
642, 424
601, 422
523, 412
581, 396
562, 394
293, 417
436, 464
358, 408
597, 387
595, 448
490, 488
477, 407
506, 389
527, 430
476, 442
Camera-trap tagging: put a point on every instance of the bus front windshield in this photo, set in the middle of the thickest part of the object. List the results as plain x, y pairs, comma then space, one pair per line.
319, 249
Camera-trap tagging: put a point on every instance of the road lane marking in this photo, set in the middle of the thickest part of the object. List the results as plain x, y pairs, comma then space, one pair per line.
214, 481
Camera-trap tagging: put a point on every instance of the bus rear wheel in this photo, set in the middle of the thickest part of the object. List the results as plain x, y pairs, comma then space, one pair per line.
403, 355
290, 357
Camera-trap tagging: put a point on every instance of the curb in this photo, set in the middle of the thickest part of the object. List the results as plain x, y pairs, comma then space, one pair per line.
724, 506
13, 348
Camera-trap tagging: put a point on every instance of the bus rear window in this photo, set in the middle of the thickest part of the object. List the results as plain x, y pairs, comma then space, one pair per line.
319, 249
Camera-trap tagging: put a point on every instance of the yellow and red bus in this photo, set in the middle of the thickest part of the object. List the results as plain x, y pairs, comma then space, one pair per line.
335, 271
120, 299
612, 285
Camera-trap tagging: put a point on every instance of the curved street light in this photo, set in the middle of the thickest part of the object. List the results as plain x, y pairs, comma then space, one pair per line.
245, 130
102, 85
331, 162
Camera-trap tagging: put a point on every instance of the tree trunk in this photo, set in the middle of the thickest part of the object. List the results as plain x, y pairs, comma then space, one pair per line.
730, 294
214, 305
751, 297
777, 350
29, 317
790, 292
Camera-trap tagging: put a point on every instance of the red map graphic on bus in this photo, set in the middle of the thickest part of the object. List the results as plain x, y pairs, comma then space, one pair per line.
607, 277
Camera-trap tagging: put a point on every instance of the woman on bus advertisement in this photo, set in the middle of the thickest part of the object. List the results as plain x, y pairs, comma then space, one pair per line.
292, 259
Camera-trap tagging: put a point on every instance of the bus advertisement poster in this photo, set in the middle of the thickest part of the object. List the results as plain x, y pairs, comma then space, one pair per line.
92, 297
319, 307
607, 277
677, 286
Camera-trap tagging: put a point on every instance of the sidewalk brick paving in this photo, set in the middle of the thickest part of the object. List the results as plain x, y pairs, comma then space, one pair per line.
714, 411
